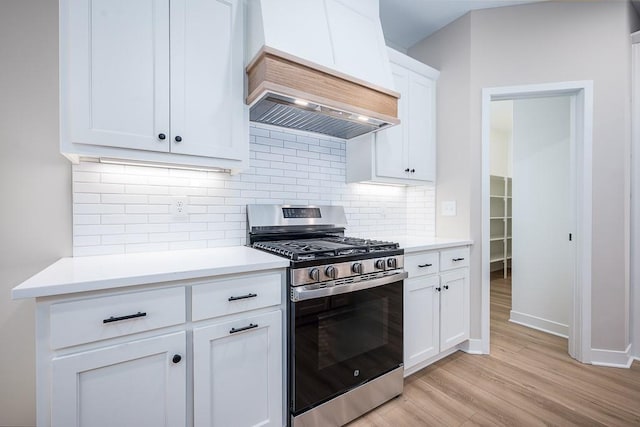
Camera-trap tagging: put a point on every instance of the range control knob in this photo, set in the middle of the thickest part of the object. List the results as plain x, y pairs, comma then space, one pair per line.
392, 263
380, 264
356, 267
314, 274
331, 272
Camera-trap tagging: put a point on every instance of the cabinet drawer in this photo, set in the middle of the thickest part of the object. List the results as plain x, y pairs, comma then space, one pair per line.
421, 264
94, 319
230, 296
454, 258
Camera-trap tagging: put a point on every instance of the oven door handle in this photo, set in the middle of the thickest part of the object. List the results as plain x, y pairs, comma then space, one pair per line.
299, 293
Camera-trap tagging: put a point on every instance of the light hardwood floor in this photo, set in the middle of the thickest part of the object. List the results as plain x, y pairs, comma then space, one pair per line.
528, 380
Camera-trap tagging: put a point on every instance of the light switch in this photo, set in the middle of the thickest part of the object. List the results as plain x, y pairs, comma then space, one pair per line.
449, 208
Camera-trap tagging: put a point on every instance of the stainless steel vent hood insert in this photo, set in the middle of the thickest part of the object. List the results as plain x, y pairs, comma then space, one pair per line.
279, 110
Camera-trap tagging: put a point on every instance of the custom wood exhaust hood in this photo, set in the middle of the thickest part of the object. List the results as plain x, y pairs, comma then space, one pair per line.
310, 80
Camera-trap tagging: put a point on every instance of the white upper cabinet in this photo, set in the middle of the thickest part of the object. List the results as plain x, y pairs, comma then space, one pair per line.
115, 89
154, 80
406, 153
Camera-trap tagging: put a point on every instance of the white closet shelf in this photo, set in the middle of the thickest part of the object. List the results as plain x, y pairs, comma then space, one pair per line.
499, 235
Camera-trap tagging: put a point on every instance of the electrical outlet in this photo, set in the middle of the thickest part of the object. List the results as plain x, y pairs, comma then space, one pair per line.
179, 207
449, 208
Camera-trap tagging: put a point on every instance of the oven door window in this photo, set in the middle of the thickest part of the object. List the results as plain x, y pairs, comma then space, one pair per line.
342, 341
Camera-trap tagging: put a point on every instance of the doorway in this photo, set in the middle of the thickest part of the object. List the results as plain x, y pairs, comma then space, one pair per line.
534, 158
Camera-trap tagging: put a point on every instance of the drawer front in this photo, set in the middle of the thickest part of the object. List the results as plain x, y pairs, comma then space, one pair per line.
454, 258
83, 321
420, 264
230, 296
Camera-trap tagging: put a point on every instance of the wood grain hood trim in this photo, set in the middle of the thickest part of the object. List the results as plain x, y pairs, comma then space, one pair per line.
277, 72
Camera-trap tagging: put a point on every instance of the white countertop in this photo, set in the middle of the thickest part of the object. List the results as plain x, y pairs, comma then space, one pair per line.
92, 273
417, 244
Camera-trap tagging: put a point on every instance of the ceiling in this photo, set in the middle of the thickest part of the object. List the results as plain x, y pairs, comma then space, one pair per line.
406, 22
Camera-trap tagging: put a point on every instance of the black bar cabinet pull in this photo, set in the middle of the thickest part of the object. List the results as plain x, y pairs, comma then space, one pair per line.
243, 297
246, 328
424, 265
129, 316
457, 259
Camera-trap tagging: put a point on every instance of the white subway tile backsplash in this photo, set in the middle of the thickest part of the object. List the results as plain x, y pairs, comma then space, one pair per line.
116, 239
124, 219
86, 187
97, 250
146, 228
125, 209
86, 240
90, 230
86, 219
122, 198
86, 198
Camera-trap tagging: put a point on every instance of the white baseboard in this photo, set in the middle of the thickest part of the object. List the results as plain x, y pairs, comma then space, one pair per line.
612, 358
540, 324
472, 346
415, 368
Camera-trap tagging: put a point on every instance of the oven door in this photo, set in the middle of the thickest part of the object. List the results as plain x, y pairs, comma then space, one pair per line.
341, 341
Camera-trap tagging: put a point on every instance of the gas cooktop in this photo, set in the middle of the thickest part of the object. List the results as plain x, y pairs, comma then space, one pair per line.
316, 248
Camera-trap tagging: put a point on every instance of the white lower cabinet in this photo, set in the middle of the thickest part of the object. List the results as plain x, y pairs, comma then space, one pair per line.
208, 352
140, 383
454, 308
436, 306
239, 372
421, 314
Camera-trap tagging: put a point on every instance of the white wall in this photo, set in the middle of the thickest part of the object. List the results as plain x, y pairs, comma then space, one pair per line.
542, 273
635, 198
540, 43
121, 208
35, 184
500, 137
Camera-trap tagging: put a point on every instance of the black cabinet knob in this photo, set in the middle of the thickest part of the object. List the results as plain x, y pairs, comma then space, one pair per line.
162, 136
413, 170
178, 138
176, 358
438, 289
446, 286
406, 170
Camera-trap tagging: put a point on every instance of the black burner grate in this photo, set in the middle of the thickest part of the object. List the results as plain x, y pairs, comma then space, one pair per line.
327, 247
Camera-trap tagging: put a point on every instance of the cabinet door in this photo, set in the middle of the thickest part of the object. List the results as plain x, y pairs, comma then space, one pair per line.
454, 308
208, 115
390, 154
114, 65
239, 372
421, 319
421, 145
132, 384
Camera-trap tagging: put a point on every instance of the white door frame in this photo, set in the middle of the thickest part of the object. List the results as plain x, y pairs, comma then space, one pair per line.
581, 163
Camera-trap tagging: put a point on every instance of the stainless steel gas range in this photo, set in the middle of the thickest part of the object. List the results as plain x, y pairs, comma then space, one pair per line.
344, 313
